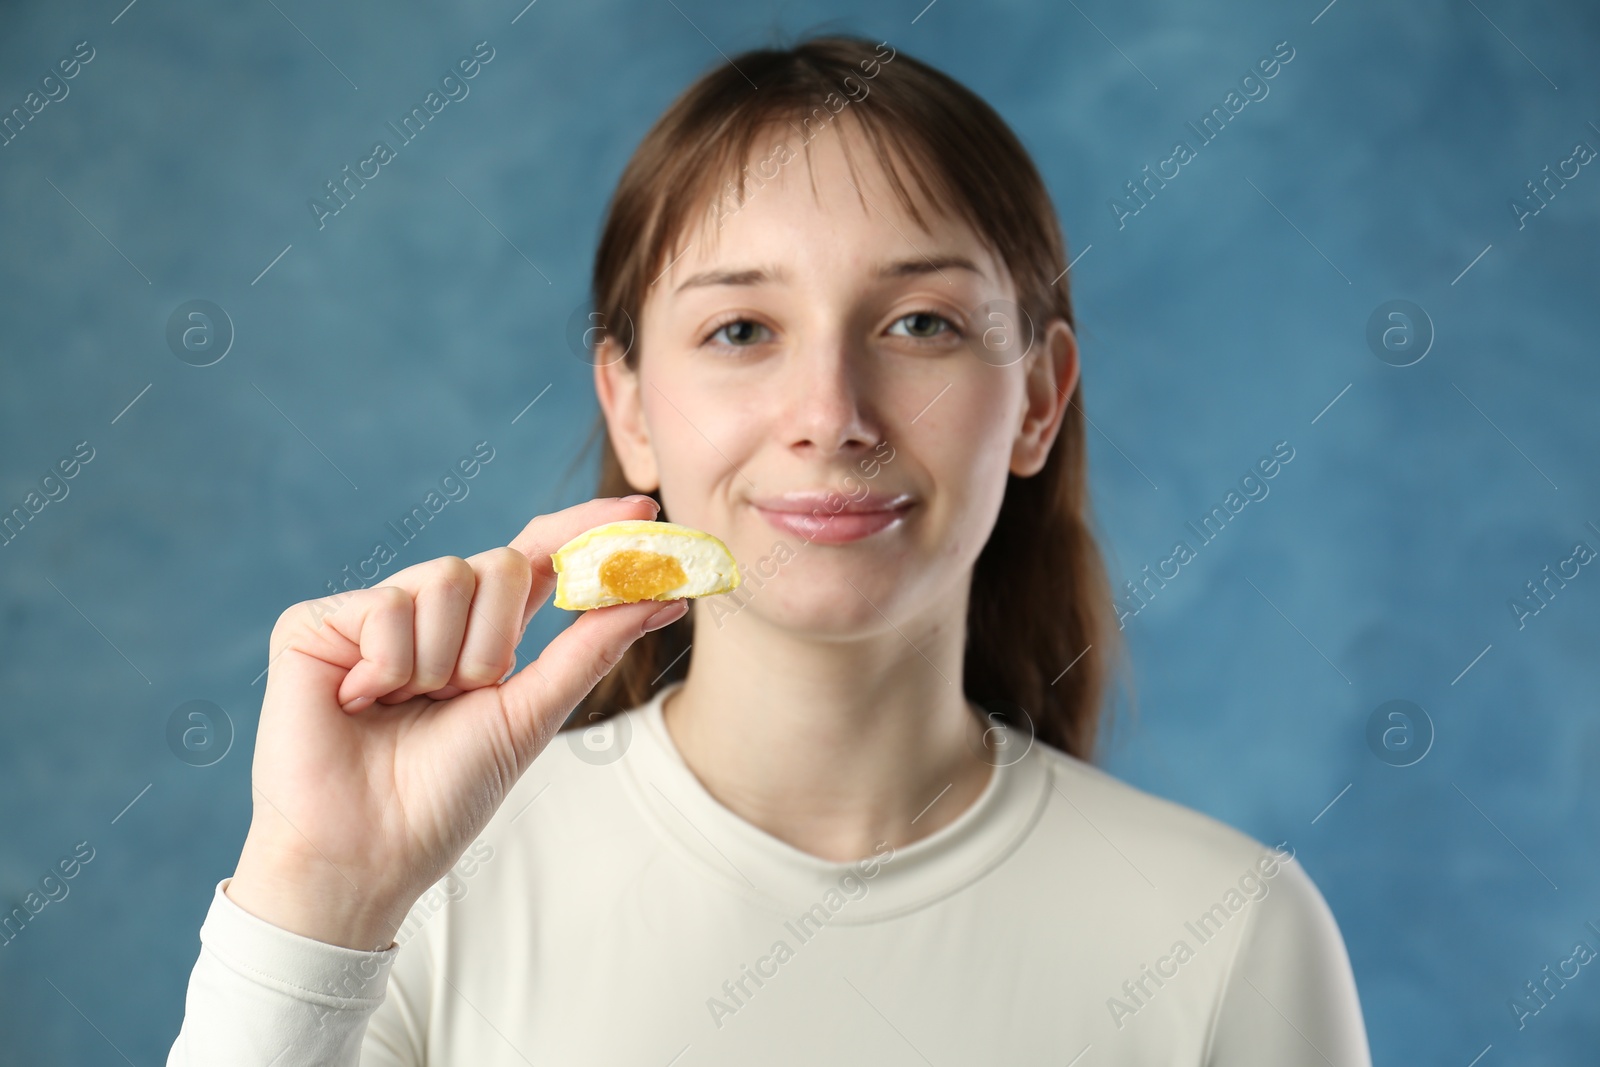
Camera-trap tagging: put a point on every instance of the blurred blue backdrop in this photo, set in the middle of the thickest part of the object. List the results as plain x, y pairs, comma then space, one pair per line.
1246, 303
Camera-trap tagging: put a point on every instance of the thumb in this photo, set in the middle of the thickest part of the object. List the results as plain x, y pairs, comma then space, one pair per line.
538, 699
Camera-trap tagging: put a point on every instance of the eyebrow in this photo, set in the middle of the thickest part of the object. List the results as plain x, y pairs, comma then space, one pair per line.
900, 268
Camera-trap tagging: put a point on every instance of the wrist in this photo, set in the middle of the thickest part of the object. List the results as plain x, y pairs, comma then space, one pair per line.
314, 899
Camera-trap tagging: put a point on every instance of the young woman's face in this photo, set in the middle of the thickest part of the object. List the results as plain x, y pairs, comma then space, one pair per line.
813, 344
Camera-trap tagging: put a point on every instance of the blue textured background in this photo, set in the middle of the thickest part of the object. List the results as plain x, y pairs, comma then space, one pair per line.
1221, 319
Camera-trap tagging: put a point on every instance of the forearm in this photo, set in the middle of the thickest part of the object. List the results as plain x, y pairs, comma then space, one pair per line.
261, 995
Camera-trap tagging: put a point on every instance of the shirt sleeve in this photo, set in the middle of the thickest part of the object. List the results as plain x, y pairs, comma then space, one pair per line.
261, 995
1290, 996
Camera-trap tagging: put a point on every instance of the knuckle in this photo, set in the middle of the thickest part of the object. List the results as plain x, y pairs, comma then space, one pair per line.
429, 675
391, 598
288, 619
604, 664
426, 679
454, 571
298, 619
476, 671
426, 682
506, 564
391, 671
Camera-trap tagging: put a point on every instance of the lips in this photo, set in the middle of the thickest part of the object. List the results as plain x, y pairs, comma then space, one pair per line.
831, 518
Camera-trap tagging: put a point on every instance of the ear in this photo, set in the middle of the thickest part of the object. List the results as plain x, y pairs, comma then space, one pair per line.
1052, 378
617, 386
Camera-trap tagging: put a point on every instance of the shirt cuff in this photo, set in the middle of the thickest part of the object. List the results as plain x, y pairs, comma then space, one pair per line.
339, 978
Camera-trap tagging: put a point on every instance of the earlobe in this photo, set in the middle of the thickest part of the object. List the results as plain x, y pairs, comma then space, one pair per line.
617, 387
1051, 383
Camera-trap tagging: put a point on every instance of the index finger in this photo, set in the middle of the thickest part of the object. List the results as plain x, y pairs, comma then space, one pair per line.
546, 533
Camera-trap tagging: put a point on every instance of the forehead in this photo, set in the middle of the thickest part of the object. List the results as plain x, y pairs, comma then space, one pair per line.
823, 197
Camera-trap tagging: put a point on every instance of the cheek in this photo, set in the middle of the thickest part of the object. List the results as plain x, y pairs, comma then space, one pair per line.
968, 435
967, 457
975, 501
698, 441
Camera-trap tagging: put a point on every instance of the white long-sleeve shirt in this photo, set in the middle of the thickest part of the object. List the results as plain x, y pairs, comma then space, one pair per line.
614, 912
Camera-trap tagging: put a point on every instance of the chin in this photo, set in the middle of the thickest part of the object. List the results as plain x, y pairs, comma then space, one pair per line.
821, 607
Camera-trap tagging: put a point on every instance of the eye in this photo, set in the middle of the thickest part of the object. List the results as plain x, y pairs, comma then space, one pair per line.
925, 326
740, 333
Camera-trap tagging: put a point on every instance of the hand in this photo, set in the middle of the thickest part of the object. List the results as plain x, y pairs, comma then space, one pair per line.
392, 727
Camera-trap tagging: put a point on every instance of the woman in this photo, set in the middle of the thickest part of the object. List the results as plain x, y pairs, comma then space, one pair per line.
844, 814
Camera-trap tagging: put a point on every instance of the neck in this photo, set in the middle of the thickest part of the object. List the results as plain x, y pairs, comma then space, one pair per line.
832, 746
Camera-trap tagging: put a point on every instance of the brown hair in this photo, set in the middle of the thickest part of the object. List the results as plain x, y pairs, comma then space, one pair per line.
1040, 599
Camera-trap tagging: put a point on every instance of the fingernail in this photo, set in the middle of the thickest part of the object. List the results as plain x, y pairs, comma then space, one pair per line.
666, 616
357, 704
640, 498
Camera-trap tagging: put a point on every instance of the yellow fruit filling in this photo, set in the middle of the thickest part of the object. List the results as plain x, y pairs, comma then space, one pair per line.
634, 574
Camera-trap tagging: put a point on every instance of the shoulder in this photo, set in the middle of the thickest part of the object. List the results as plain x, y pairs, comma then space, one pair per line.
1184, 859
1283, 941
1173, 844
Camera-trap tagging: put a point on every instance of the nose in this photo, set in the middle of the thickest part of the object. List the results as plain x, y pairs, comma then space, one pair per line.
830, 403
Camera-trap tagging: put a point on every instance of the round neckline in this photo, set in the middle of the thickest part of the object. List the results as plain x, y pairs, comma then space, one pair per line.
743, 857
